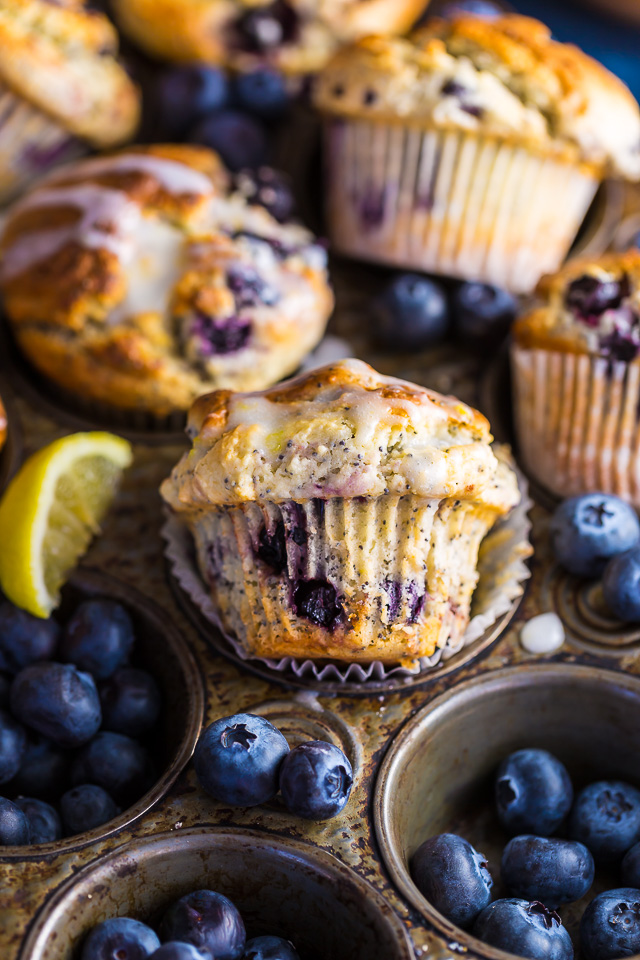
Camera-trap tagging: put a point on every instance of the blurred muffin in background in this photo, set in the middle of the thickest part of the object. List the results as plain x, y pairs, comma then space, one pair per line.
62, 89
471, 149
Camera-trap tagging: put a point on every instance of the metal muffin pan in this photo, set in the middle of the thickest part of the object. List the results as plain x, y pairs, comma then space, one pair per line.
338, 888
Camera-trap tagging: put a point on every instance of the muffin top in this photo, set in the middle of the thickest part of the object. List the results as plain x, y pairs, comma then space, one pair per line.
504, 77
61, 57
341, 430
142, 279
296, 36
591, 306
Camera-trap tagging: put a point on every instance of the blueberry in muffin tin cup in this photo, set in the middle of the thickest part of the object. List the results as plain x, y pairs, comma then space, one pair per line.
450, 202
160, 649
280, 886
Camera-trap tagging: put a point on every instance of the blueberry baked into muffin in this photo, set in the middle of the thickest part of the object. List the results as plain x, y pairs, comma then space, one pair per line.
296, 36
339, 514
62, 89
576, 378
472, 148
140, 281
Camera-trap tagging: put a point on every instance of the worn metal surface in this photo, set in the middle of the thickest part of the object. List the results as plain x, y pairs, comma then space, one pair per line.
51, 894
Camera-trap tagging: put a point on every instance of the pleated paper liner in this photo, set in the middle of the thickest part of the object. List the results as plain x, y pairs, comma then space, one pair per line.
31, 144
11, 452
451, 203
577, 424
503, 574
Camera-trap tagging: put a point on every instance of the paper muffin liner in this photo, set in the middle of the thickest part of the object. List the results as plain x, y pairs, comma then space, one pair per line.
577, 421
451, 202
31, 144
502, 575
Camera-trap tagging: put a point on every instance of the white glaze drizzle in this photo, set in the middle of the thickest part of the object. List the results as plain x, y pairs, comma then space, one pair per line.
108, 220
177, 178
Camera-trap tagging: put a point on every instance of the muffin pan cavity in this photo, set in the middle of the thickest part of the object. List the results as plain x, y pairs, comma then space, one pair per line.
438, 775
160, 650
280, 886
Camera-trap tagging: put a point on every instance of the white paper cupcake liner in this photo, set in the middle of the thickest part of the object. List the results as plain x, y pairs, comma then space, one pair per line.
31, 144
577, 421
451, 202
503, 573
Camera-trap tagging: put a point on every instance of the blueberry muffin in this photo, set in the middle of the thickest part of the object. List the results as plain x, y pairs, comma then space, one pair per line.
139, 282
472, 148
576, 378
62, 89
339, 515
295, 36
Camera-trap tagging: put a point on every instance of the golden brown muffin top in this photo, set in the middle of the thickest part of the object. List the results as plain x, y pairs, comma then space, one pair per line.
342, 430
504, 77
590, 306
62, 58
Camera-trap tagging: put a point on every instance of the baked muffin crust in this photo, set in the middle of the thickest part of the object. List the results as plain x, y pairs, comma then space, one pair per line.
61, 57
504, 77
141, 281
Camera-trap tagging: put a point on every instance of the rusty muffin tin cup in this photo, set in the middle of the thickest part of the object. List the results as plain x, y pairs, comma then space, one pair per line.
438, 775
160, 649
281, 887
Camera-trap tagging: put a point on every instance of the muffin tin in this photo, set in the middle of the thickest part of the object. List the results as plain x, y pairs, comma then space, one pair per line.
419, 749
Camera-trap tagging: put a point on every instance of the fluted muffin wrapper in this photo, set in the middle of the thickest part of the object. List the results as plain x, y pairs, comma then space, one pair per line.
31, 144
501, 567
451, 202
577, 421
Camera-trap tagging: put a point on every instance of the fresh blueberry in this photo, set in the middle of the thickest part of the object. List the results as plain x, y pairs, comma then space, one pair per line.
85, 807
631, 866
240, 139
533, 793
13, 742
267, 188
130, 702
58, 701
588, 297
178, 950
98, 638
476, 8
621, 585
120, 938
5, 687
315, 780
606, 818
44, 822
25, 639
264, 28
44, 770
587, 531
14, 825
553, 871
263, 92
119, 764
238, 760
610, 925
209, 921
482, 314
453, 877
270, 948
183, 95
524, 928
411, 313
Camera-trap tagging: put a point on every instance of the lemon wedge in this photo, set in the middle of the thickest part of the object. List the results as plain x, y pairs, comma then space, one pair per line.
50, 512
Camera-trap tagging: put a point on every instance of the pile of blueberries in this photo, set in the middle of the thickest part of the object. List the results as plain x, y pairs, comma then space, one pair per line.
534, 800
598, 535
74, 716
203, 925
244, 761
